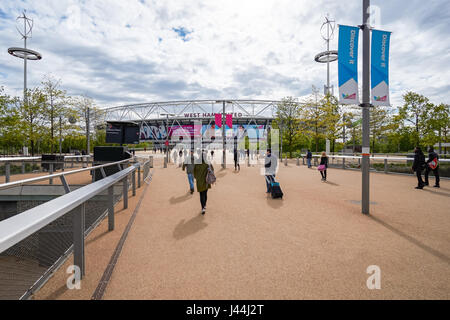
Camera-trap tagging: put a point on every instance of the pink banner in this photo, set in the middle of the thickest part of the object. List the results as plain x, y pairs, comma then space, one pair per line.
219, 120
229, 120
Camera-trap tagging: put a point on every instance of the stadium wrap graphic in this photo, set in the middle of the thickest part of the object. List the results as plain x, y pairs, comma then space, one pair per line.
348, 64
380, 67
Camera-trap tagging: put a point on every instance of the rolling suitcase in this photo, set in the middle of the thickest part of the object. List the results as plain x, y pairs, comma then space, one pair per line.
275, 189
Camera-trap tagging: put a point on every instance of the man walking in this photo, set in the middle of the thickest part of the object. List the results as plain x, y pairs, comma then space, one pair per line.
418, 166
189, 166
270, 165
308, 158
432, 165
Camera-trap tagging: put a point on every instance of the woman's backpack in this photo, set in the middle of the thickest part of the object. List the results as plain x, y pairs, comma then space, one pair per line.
210, 176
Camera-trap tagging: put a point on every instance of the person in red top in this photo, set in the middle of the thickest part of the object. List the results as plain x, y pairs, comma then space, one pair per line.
432, 156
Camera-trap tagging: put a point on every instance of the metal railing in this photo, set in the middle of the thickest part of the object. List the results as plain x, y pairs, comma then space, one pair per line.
34, 161
36, 242
400, 165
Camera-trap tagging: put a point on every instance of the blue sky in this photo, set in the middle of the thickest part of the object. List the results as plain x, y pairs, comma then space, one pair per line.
135, 51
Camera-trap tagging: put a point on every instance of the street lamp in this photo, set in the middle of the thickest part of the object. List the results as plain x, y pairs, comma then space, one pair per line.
25, 53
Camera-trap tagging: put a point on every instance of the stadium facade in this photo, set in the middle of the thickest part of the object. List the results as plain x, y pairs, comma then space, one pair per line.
179, 121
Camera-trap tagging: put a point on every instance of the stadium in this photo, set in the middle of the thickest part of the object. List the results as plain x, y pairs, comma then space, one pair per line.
158, 122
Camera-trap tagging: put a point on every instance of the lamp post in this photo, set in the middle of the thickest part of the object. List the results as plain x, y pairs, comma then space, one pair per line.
25, 53
365, 203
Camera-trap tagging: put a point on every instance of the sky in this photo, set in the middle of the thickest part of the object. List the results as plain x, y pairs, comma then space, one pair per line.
135, 51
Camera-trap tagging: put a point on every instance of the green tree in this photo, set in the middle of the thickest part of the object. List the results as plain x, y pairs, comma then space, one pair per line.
313, 118
379, 124
55, 99
438, 125
32, 116
415, 111
332, 119
288, 120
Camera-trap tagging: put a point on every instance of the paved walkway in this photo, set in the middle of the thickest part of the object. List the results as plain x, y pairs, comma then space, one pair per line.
313, 244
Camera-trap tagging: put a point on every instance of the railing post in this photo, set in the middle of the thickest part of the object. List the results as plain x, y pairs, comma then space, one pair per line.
133, 182
125, 192
139, 175
7, 171
111, 208
78, 238
51, 172
385, 166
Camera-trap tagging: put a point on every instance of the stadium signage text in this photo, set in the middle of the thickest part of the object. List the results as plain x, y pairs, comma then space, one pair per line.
209, 115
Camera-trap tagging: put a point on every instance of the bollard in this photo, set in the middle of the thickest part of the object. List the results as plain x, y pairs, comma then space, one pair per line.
343, 163
303, 160
385, 166
165, 162
7, 171
151, 161
298, 161
285, 162
111, 208
78, 238
23, 167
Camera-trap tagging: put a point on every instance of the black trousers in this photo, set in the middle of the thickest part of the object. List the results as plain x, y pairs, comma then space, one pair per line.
324, 174
435, 172
420, 182
203, 198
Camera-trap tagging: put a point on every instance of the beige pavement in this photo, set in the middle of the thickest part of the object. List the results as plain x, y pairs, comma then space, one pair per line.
313, 244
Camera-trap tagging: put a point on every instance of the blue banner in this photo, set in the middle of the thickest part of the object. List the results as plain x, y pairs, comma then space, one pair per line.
348, 64
380, 67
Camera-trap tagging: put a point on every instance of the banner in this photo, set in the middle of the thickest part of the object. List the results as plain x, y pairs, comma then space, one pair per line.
218, 120
348, 64
380, 68
229, 120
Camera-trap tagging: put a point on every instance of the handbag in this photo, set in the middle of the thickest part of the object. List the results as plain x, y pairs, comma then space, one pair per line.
210, 176
321, 167
433, 164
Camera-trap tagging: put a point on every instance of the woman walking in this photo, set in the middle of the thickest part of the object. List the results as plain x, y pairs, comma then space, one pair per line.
323, 166
200, 173
237, 167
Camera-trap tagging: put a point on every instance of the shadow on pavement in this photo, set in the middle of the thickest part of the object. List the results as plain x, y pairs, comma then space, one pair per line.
186, 229
332, 183
175, 200
60, 291
274, 203
437, 192
421, 245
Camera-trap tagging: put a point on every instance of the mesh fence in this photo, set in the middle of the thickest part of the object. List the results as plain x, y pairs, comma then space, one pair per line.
25, 265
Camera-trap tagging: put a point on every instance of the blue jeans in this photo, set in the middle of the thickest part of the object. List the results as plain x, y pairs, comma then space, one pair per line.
269, 179
309, 162
191, 180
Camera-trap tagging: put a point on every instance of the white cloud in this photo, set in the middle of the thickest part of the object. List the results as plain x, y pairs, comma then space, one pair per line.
237, 49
